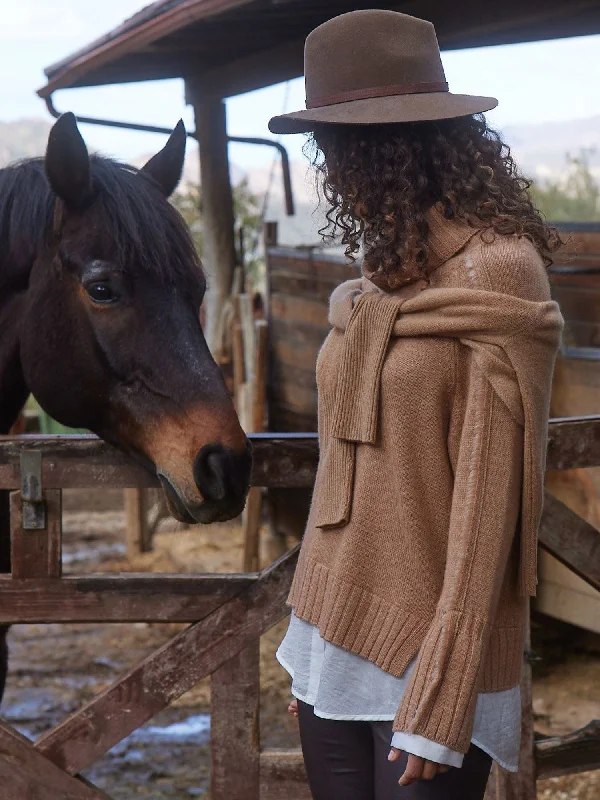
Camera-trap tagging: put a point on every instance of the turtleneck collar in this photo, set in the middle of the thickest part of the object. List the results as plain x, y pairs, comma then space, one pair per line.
446, 236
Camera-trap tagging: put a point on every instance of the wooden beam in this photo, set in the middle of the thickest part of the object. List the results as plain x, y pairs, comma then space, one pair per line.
218, 239
118, 598
280, 63
564, 755
570, 539
137, 528
25, 774
573, 442
171, 671
280, 460
86, 462
520, 785
234, 728
282, 774
36, 553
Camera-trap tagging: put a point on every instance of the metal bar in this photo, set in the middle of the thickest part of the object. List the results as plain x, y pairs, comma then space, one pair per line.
33, 504
135, 126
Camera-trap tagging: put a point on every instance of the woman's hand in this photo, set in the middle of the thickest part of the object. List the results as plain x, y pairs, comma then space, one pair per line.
417, 768
293, 708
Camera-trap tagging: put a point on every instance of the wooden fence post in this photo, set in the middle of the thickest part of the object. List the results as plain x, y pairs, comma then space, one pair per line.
234, 728
519, 785
137, 529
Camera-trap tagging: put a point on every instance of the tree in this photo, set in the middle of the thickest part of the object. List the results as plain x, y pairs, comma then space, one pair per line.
248, 219
575, 198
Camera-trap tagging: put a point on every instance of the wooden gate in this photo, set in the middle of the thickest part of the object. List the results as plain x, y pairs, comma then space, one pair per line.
228, 614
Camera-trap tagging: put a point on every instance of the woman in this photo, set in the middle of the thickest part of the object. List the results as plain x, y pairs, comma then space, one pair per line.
411, 593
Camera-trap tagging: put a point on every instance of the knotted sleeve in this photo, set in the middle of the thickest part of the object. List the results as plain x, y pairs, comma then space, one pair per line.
439, 702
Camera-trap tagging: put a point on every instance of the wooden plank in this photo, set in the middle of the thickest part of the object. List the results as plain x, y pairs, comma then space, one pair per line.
297, 332
248, 339
578, 751
36, 553
87, 462
299, 309
580, 303
519, 785
288, 283
252, 515
574, 442
259, 386
137, 529
234, 728
303, 399
295, 355
310, 262
218, 238
26, 774
280, 460
295, 465
170, 671
118, 598
283, 775
570, 539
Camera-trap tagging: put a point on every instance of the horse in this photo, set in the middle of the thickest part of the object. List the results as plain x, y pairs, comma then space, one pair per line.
100, 292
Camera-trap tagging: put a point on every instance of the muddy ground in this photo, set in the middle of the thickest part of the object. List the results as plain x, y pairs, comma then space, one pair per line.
54, 669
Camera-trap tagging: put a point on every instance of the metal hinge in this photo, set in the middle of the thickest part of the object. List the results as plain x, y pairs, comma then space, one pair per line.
32, 498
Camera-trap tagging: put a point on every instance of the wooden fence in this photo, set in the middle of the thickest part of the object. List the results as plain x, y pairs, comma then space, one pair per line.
228, 614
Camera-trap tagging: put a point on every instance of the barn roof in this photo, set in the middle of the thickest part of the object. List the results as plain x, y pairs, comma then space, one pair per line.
241, 45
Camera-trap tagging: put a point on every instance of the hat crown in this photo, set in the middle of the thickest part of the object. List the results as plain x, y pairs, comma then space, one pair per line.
370, 50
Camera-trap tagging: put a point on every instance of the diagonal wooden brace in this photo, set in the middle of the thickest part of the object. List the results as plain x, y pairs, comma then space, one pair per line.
26, 773
171, 671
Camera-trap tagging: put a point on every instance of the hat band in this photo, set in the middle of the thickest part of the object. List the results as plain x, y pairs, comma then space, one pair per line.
377, 91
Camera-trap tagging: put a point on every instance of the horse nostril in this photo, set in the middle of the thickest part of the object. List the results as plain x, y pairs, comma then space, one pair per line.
210, 472
223, 474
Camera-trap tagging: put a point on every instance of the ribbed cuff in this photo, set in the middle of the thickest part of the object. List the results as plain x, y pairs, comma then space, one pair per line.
439, 703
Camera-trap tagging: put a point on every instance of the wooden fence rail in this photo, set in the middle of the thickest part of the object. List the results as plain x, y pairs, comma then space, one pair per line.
228, 613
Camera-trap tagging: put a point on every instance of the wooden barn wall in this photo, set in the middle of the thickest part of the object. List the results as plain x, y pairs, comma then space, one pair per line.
301, 280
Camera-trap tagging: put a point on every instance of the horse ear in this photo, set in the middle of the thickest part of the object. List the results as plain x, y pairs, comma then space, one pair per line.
67, 162
167, 165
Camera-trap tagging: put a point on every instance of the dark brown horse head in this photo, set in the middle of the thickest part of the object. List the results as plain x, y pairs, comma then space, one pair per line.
110, 338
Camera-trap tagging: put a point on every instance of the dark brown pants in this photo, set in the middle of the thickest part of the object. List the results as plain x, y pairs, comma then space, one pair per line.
348, 761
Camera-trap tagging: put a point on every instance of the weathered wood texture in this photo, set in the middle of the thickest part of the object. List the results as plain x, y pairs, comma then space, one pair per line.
280, 460
521, 785
218, 243
573, 442
25, 774
575, 752
234, 729
36, 553
137, 528
282, 775
570, 539
126, 597
86, 462
300, 283
170, 672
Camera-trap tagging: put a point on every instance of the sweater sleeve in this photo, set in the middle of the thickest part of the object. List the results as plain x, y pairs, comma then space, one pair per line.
440, 698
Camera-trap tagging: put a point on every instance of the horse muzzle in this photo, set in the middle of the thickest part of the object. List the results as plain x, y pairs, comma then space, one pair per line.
222, 479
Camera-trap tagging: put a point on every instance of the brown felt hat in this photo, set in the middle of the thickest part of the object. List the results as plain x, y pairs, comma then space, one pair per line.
371, 67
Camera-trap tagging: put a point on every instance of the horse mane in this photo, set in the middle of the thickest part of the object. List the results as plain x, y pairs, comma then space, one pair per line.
145, 231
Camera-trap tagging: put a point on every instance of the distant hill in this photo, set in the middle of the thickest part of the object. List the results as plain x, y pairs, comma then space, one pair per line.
24, 138
539, 149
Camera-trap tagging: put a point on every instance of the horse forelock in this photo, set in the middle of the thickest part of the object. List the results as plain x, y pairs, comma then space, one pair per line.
135, 222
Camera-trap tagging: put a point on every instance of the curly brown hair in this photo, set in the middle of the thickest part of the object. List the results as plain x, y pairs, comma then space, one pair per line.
380, 180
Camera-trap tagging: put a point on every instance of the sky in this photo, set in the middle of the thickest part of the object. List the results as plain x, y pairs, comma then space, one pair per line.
535, 82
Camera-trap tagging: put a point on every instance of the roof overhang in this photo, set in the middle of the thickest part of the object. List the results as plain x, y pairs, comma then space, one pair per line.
239, 45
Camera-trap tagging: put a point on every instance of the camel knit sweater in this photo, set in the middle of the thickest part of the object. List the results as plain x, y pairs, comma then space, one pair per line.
422, 533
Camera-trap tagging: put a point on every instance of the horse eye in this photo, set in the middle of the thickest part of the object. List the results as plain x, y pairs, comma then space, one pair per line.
101, 292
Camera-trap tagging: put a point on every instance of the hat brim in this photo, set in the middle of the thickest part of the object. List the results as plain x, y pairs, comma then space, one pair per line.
422, 107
